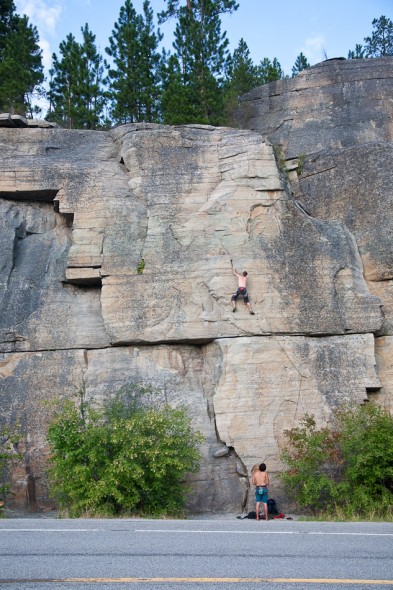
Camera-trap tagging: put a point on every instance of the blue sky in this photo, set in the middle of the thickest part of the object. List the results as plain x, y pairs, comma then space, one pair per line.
278, 28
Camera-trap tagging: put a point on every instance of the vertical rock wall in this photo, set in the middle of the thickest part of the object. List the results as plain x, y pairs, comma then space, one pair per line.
333, 126
80, 212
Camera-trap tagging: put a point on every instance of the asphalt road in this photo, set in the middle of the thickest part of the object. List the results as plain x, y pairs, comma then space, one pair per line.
233, 554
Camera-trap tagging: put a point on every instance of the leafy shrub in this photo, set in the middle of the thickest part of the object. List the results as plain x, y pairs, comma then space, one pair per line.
345, 468
123, 458
280, 159
141, 266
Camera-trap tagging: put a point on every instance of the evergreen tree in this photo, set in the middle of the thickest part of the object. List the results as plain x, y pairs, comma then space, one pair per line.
134, 85
381, 41
7, 22
123, 77
150, 66
301, 64
21, 69
270, 71
63, 85
175, 8
92, 95
242, 76
195, 74
176, 102
76, 92
358, 53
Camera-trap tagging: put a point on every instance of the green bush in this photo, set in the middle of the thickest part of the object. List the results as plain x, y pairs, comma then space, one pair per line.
123, 458
141, 266
346, 468
280, 159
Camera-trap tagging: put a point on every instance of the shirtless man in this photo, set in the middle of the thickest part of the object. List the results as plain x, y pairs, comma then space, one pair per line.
260, 479
241, 290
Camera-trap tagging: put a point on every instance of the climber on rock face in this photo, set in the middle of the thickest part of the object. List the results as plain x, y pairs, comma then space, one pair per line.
241, 290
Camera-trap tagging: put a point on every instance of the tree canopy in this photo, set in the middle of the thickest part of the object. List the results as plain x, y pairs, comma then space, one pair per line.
358, 53
76, 94
195, 74
270, 71
133, 76
301, 64
21, 68
197, 81
175, 8
380, 43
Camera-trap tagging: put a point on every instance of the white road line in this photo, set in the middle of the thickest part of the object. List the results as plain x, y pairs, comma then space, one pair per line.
50, 530
198, 581
196, 532
262, 532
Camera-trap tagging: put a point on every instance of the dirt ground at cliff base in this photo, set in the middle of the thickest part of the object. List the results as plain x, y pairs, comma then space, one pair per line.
8, 513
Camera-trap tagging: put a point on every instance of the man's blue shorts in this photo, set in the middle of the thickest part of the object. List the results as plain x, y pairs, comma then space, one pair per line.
261, 494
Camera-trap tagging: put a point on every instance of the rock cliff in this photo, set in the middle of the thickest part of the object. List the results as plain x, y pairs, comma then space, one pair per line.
116, 267
333, 128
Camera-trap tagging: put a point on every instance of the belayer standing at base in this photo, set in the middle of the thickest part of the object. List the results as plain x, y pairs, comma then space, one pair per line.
241, 290
260, 479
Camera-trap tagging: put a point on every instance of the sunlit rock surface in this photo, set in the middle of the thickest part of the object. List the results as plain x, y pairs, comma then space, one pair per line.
116, 257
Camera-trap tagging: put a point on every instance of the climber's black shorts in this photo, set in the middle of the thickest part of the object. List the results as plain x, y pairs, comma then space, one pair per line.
241, 291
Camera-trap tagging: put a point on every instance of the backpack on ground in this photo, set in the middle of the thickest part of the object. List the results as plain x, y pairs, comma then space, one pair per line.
272, 507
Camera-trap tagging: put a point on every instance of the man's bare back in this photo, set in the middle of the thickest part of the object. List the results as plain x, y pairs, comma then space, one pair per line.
241, 290
260, 478
241, 279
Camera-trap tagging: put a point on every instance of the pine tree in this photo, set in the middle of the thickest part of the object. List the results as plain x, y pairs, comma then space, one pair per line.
76, 93
381, 41
196, 73
92, 96
64, 81
270, 71
133, 78
150, 67
175, 8
123, 77
21, 69
7, 22
358, 53
176, 102
301, 64
242, 76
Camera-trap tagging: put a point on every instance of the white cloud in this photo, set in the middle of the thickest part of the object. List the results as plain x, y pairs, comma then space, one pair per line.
44, 15
314, 49
46, 53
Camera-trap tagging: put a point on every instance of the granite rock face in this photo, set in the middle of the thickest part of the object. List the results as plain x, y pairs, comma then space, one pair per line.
332, 126
116, 257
